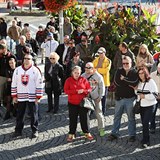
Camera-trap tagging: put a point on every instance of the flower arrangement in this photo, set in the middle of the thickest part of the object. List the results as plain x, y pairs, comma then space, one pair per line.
57, 5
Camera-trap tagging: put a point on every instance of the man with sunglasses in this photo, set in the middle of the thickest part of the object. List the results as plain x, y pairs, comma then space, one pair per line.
125, 79
26, 90
98, 88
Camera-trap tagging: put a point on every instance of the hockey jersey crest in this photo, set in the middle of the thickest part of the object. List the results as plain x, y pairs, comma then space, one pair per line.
25, 79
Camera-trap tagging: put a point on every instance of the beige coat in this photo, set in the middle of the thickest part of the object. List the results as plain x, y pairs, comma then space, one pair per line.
147, 61
156, 78
14, 32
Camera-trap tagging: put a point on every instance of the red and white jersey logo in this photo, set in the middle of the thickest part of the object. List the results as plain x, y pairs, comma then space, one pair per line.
25, 79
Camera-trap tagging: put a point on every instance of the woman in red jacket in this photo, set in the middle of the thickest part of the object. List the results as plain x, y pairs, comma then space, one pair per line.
77, 87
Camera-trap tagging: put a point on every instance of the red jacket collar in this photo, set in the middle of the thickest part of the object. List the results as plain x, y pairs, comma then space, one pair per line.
26, 68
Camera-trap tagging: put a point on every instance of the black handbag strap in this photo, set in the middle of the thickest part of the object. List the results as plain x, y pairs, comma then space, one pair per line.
143, 89
88, 80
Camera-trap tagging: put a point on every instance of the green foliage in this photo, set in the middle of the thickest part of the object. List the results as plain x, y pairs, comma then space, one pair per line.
76, 14
124, 26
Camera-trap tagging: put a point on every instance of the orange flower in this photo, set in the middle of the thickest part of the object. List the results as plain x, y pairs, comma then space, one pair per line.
57, 5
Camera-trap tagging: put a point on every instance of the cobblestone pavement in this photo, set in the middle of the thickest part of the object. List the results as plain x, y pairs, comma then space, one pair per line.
51, 143
53, 129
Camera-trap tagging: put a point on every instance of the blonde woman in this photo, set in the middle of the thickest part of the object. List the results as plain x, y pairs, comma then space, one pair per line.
53, 81
144, 57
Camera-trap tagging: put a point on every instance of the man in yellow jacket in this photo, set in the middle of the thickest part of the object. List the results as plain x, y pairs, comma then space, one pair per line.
103, 66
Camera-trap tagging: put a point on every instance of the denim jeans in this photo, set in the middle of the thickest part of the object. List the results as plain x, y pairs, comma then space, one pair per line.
127, 105
153, 118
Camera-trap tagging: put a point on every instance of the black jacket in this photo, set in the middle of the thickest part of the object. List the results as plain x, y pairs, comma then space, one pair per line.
54, 24
123, 87
59, 51
4, 63
34, 45
69, 67
3, 29
54, 80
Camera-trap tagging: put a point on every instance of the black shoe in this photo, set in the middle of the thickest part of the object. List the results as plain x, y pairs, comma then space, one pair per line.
16, 134
132, 139
54, 112
112, 137
49, 110
7, 116
152, 131
35, 135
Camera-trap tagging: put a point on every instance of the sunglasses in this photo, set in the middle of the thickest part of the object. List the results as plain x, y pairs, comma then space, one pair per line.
88, 67
51, 58
100, 52
28, 58
125, 63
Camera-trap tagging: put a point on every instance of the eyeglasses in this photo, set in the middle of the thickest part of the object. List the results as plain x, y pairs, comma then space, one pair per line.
51, 58
27, 58
88, 67
100, 52
125, 63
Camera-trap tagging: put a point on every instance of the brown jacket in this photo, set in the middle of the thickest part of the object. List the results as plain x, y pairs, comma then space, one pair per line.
14, 32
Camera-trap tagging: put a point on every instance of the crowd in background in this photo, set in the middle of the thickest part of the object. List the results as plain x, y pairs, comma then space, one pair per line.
70, 67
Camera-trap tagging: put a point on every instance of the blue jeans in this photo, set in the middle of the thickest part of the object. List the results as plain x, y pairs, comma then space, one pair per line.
127, 105
153, 118
146, 113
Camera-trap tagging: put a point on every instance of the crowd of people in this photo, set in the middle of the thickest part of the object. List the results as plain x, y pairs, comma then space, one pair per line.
71, 68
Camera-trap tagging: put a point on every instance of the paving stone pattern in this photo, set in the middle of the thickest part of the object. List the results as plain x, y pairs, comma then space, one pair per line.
52, 145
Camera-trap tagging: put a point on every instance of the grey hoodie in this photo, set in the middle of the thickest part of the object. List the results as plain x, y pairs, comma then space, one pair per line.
97, 85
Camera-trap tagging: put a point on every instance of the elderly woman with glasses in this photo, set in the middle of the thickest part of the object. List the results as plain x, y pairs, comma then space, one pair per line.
53, 74
77, 87
146, 91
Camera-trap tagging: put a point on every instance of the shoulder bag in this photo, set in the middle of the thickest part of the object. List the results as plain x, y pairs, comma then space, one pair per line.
87, 102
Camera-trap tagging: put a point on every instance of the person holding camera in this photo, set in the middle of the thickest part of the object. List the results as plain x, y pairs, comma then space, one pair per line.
125, 79
50, 45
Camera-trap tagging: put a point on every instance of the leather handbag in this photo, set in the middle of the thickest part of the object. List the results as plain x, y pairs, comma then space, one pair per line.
88, 103
137, 107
